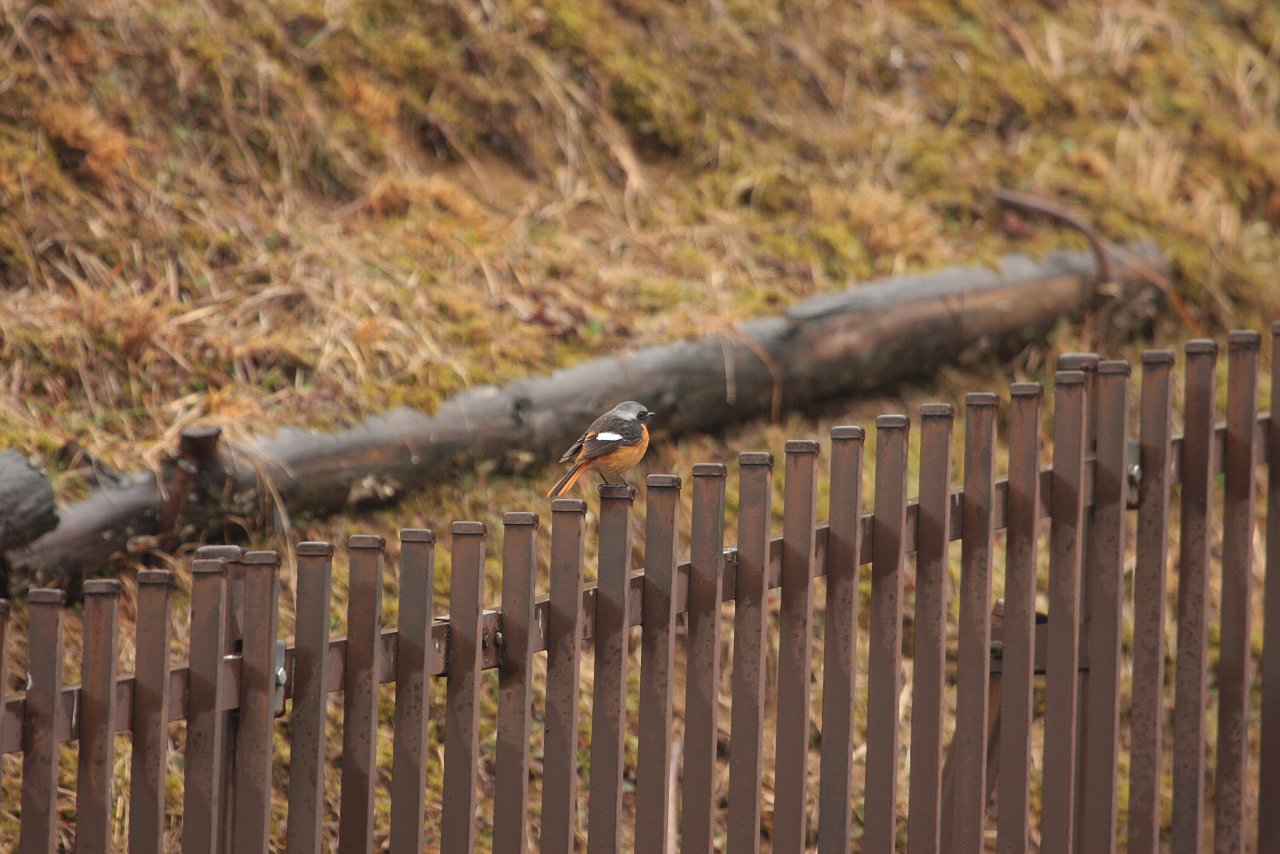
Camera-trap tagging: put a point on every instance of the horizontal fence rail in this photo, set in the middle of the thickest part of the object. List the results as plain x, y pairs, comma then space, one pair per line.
702, 759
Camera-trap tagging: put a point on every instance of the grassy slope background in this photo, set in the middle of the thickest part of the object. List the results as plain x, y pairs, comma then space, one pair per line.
298, 212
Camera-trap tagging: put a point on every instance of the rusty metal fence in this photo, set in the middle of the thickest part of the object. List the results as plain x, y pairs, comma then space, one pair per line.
1106, 503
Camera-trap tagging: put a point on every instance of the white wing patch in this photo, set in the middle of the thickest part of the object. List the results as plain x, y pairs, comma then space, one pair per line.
608, 436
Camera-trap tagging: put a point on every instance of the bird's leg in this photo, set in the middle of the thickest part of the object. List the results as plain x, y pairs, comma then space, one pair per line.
603, 479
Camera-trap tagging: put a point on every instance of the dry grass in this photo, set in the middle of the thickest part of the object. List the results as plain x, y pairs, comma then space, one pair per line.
303, 212
300, 212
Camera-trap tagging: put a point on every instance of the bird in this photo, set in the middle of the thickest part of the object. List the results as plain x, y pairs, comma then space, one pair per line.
612, 445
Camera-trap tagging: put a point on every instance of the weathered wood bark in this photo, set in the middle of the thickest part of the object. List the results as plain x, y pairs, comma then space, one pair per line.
27, 508
858, 340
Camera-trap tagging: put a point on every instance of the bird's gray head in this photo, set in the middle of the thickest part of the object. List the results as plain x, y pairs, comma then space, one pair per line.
630, 409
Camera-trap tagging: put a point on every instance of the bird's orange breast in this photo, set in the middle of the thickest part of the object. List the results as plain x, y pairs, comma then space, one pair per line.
626, 456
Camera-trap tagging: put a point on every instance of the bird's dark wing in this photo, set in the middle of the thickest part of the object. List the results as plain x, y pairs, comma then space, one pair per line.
595, 447
599, 443
572, 453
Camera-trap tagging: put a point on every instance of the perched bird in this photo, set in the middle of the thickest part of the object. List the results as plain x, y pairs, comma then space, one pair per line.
612, 445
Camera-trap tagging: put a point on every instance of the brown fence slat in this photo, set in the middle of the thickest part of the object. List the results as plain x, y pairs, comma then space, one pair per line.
839, 663
234, 556
884, 634
750, 620
1019, 618
973, 667
462, 708
150, 704
4, 665
609, 699
924, 817
254, 738
360, 693
515, 682
1065, 554
1193, 603
1229, 791
1088, 363
202, 811
657, 663
94, 805
1269, 755
1105, 590
702, 682
229, 694
564, 634
313, 583
413, 653
233, 616
795, 643
1147, 711
38, 833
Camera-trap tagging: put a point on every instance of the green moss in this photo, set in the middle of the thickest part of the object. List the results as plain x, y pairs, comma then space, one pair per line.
660, 113
568, 26
777, 193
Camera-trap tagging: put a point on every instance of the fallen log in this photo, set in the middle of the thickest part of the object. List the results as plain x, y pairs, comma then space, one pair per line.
27, 508
858, 340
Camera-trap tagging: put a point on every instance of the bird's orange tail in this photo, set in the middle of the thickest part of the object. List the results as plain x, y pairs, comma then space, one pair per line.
566, 483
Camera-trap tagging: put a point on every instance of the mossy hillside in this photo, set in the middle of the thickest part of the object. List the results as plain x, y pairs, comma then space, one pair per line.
306, 216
